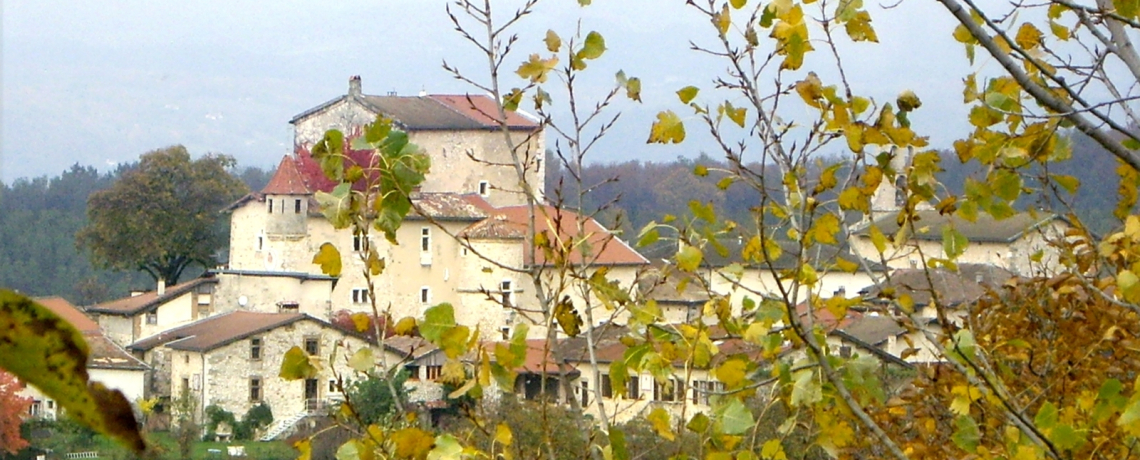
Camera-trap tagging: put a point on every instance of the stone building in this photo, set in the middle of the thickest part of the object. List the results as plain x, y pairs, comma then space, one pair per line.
232, 360
460, 133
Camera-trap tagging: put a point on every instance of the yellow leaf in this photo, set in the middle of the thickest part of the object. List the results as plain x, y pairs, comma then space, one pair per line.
908, 101
878, 239
412, 443
687, 94
723, 20
305, 448
328, 257
553, 41
659, 419
535, 68
503, 434
732, 373
668, 129
810, 90
1028, 36
362, 360
295, 365
361, 321
1061, 32
405, 326
859, 28
568, 318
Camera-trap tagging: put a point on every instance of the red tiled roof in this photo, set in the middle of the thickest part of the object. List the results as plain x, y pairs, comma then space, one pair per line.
287, 180
102, 352
129, 306
483, 110
217, 331
70, 313
600, 247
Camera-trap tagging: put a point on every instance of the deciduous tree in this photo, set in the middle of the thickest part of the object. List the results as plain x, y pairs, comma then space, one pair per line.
163, 216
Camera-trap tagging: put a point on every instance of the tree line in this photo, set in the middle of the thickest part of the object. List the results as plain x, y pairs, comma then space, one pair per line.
39, 219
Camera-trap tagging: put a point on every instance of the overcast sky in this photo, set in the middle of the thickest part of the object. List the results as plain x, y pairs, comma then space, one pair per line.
98, 83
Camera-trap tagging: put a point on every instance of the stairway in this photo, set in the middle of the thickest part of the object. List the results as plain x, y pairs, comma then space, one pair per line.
279, 427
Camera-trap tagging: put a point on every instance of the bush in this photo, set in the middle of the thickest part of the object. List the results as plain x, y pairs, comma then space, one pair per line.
258, 417
372, 398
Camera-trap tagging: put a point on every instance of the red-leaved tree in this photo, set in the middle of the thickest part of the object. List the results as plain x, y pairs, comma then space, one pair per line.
13, 411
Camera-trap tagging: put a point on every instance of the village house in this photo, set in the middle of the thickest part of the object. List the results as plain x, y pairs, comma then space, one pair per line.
232, 361
144, 314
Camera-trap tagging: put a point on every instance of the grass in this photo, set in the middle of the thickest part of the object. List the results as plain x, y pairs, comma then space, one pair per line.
168, 449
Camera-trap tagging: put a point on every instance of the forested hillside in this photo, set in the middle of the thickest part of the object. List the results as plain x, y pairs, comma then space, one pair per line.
631, 194
38, 221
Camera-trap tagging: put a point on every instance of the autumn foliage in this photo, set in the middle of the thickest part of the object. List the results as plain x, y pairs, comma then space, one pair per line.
13, 411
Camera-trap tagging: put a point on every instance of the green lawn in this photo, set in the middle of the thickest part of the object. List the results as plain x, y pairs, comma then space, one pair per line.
168, 449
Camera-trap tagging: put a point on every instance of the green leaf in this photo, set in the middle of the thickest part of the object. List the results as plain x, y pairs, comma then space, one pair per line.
453, 341
337, 206
966, 435
953, 242
447, 447
698, 424
806, 389
46, 351
668, 129
1066, 438
362, 360
437, 320
773, 450
689, 258
593, 48
1046, 417
1069, 183
735, 418
617, 444
295, 365
687, 94
328, 257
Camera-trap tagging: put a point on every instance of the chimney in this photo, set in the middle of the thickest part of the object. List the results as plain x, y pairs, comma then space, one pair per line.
354, 85
841, 292
161, 287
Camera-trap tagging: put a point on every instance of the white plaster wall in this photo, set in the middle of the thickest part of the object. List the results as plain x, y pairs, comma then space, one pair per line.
119, 329
264, 293
173, 312
131, 383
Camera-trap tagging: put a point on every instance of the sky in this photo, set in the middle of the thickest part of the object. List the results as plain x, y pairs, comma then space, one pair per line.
100, 83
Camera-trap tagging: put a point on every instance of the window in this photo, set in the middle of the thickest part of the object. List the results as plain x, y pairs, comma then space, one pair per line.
186, 358
152, 317
255, 349
672, 391
702, 390
296, 206
844, 351
425, 239
260, 243
313, 346
633, 388
360, 295
506, 331
585, 393
255, 389
425, 295
357, 242
185, 384
413, 371
434, 372
289, 306
484, 188
332, 386
270, 201
50, 404
505, 290
607, 386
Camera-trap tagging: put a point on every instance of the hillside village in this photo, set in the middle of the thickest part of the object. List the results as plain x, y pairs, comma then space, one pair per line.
221, 338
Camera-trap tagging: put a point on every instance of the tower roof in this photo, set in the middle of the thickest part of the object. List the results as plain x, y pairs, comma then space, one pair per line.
287, 180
